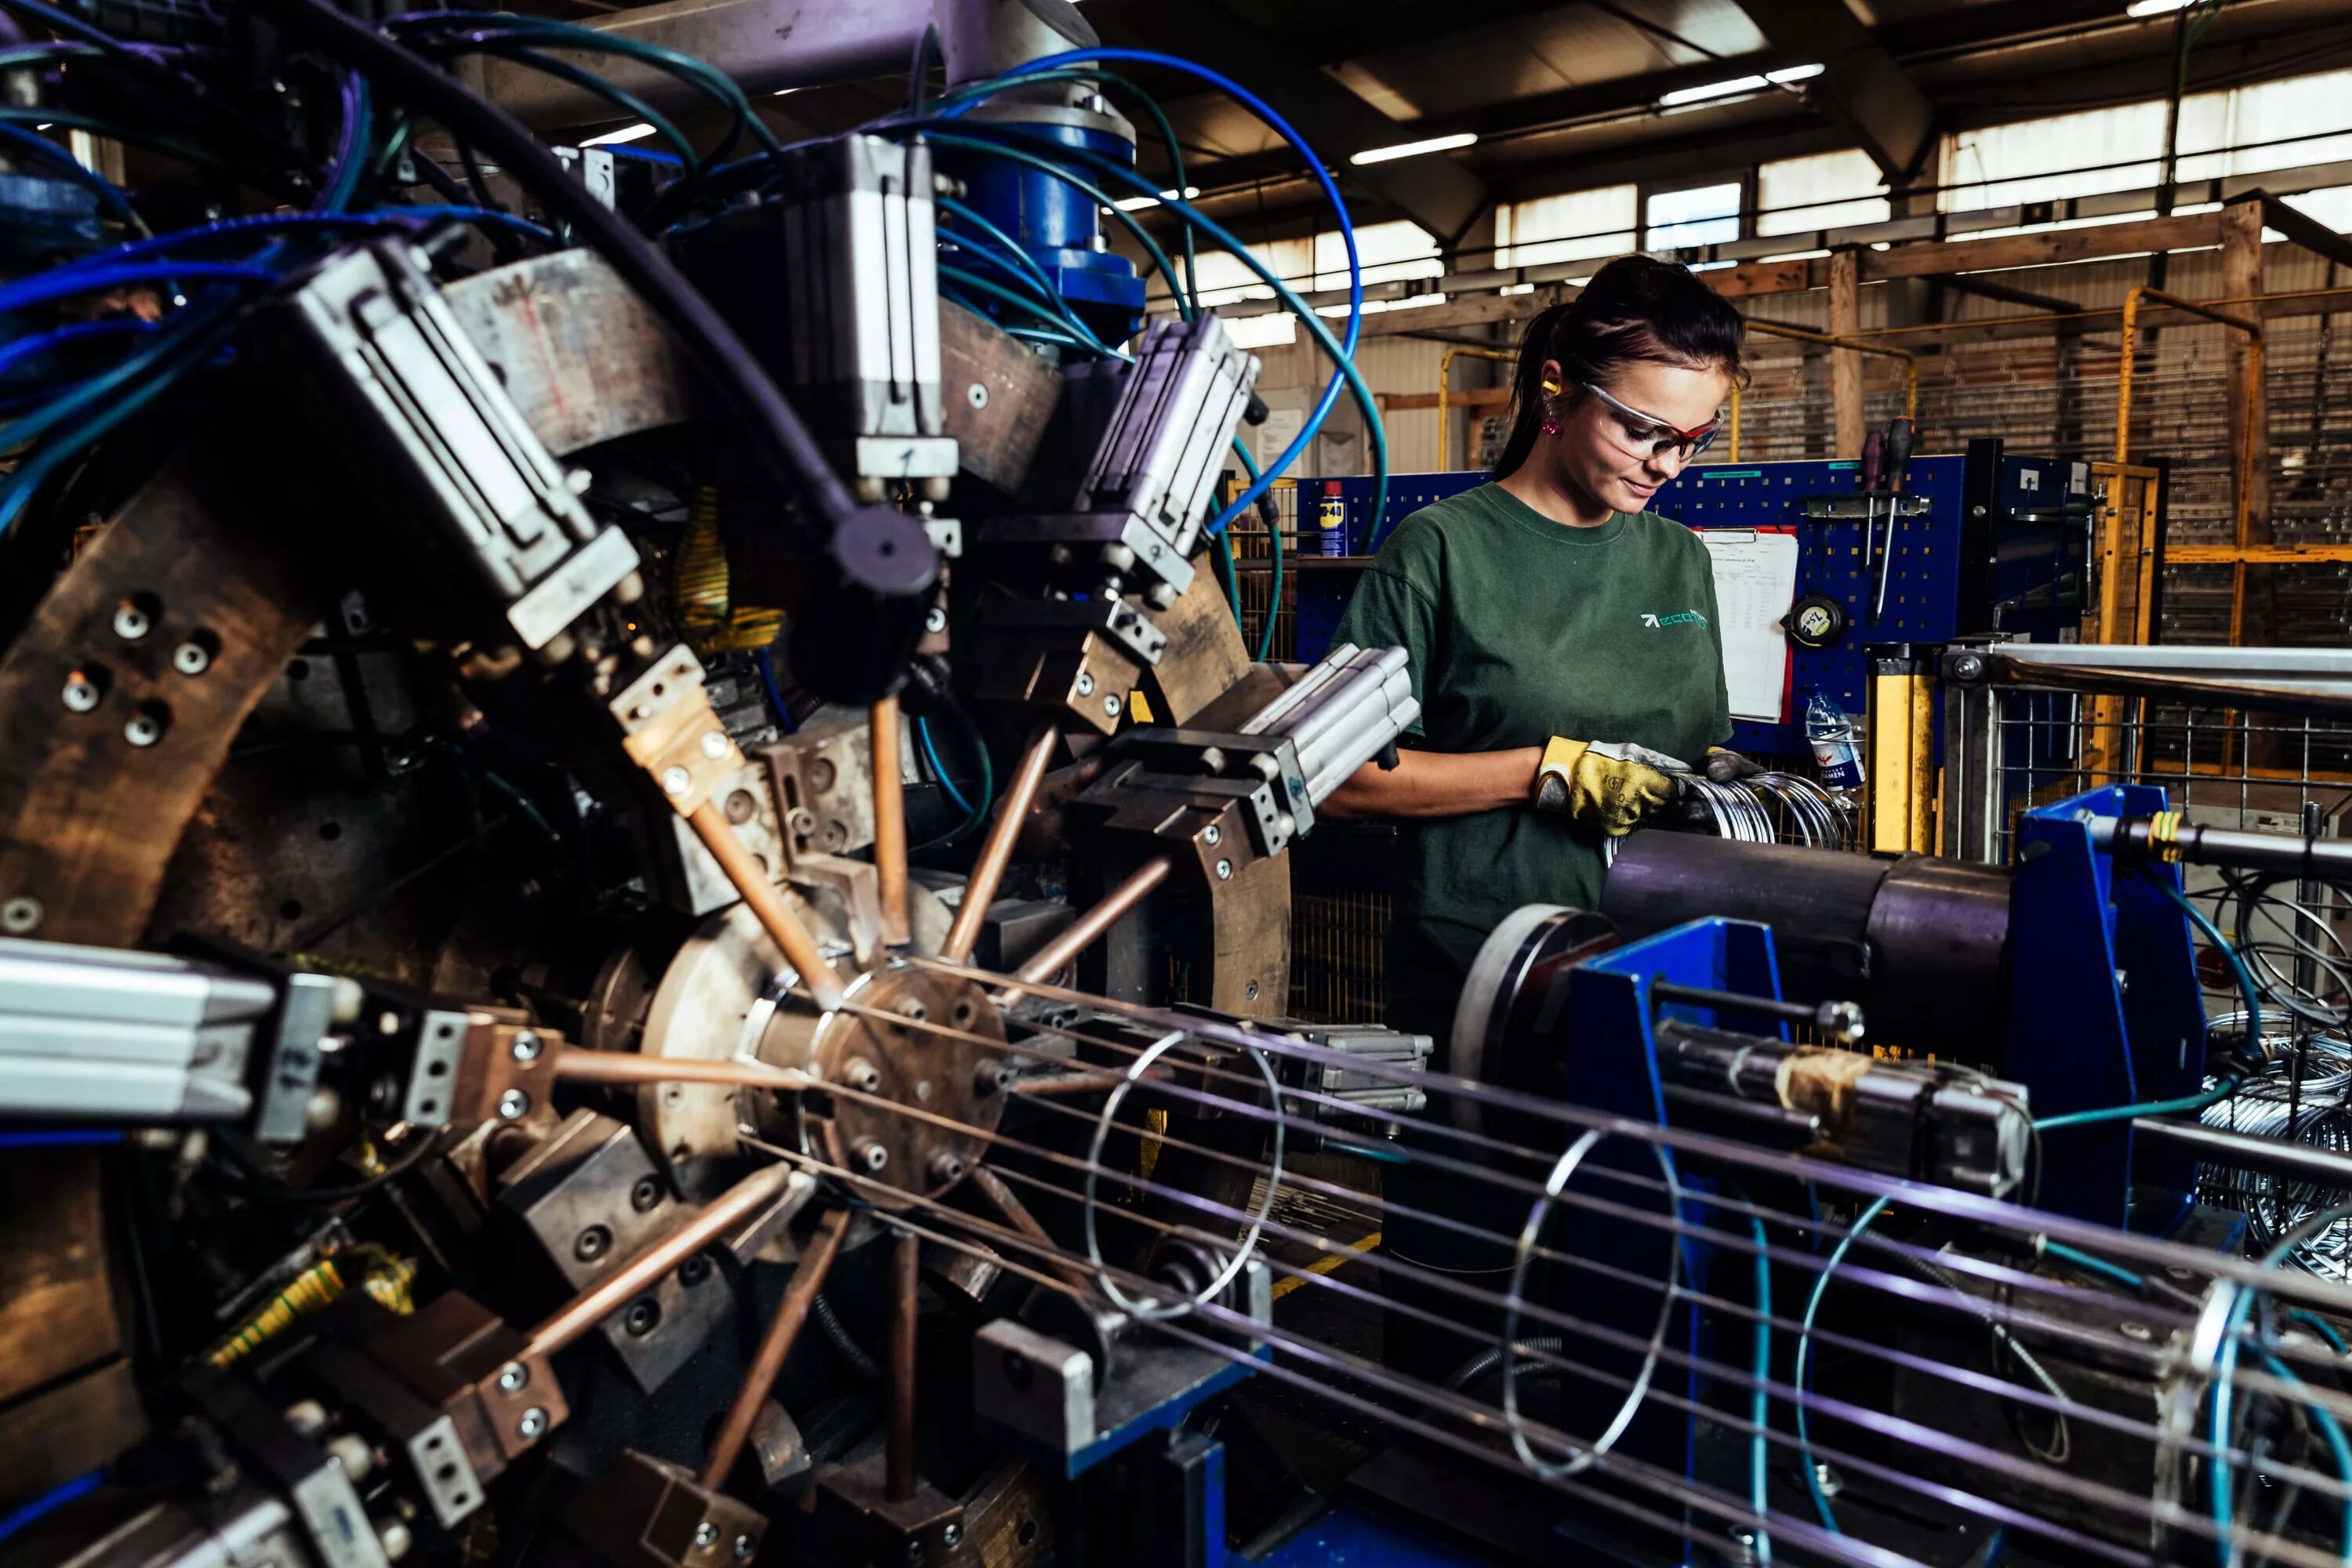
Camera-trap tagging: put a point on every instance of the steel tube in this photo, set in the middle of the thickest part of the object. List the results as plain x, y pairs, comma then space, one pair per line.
1048, 960
889, 821
899, 1459
593, 1306
775, 1347
578, 1064
2263, 1156
988, 871
776, 917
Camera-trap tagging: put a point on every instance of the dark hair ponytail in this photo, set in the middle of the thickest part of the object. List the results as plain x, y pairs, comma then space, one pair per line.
1636, 307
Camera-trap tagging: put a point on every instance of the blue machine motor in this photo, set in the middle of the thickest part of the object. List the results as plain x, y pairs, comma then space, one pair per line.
1978, 540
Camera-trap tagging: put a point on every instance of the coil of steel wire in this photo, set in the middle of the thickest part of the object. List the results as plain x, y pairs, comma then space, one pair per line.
2309, 1110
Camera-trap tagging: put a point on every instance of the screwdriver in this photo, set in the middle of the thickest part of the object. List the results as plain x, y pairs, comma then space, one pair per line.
1874, 461
1898, 451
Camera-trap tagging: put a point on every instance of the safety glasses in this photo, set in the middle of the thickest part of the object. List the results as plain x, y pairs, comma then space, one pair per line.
1646, 434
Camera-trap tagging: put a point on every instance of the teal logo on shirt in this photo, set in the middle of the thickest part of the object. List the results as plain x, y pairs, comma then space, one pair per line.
1682, 617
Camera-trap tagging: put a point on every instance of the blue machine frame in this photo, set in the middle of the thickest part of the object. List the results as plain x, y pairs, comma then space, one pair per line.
1999, 544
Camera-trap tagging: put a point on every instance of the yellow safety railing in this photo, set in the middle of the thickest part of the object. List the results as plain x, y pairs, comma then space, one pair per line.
1444, 384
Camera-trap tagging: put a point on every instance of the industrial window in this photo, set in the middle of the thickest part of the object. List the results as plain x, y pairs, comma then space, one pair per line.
1797, 195
2246, 130
1700, 215
1580, 226
1386, 251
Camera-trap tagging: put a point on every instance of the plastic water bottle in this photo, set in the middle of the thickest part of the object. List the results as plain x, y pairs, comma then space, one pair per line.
1834, 750
1332, 517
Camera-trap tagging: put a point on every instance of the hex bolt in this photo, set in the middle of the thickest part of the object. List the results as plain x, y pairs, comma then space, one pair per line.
1224, 870
744, 1547
525, 1048
513, 1103
192, 659
142, 730
870, 1154
81, 693
676, 780
533, 1422
1213, 836
132, 622
1085, 684
646, 1195
591, 1244
950, 1534
706, 1536
714, 744
21, 914
740, 808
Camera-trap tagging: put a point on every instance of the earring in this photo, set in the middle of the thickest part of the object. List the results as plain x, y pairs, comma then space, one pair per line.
1550, 425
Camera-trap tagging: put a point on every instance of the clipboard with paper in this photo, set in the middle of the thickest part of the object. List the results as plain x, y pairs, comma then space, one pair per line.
1754, 573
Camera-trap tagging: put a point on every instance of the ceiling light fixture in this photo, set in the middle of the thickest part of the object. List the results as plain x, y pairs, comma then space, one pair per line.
637, 132
1137, 204
1415, 149
1736, 85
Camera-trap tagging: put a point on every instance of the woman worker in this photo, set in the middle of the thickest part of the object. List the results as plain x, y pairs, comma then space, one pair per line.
1552, 620
1545, 612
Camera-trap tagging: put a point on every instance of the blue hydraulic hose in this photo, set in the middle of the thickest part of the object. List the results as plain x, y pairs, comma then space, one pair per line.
23, 349
1804, 1348
939, 768
1284, 128
351, 149
67, 281
49, 1502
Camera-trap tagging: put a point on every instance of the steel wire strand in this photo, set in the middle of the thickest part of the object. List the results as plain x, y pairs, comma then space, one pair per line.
1617, 1340
1947, 1201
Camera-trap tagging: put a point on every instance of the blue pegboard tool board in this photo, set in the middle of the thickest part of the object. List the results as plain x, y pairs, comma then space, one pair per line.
1996, 542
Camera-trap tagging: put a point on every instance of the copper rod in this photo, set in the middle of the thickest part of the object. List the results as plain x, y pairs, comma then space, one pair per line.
889, 820
582, 1066
776, 917
775, 1346
988, 871
1006, 1202
899, 1461
1048, 960
600, 1301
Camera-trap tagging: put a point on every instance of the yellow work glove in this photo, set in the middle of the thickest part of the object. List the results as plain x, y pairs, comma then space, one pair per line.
1609, 788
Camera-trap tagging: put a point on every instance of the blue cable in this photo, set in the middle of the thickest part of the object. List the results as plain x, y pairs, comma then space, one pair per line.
60, 1138
1804, 1348
2323, 1328
49, 1502
64, 282
939, 769
2098, 1267
2228, 951
351, 150
2329, 1429
775, 696
23, 349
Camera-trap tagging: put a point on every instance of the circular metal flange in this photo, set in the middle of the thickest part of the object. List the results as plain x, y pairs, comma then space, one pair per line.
914, 1054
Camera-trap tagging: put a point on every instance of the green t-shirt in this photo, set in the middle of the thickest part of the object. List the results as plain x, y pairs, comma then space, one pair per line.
1520, 629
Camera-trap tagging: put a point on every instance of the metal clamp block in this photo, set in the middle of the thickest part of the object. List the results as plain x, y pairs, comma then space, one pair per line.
668, 729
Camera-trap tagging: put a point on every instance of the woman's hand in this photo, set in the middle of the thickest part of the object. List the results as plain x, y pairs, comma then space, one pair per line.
1428, 784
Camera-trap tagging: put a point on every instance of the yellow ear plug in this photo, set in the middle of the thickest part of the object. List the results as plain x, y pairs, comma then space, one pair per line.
1551, 388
